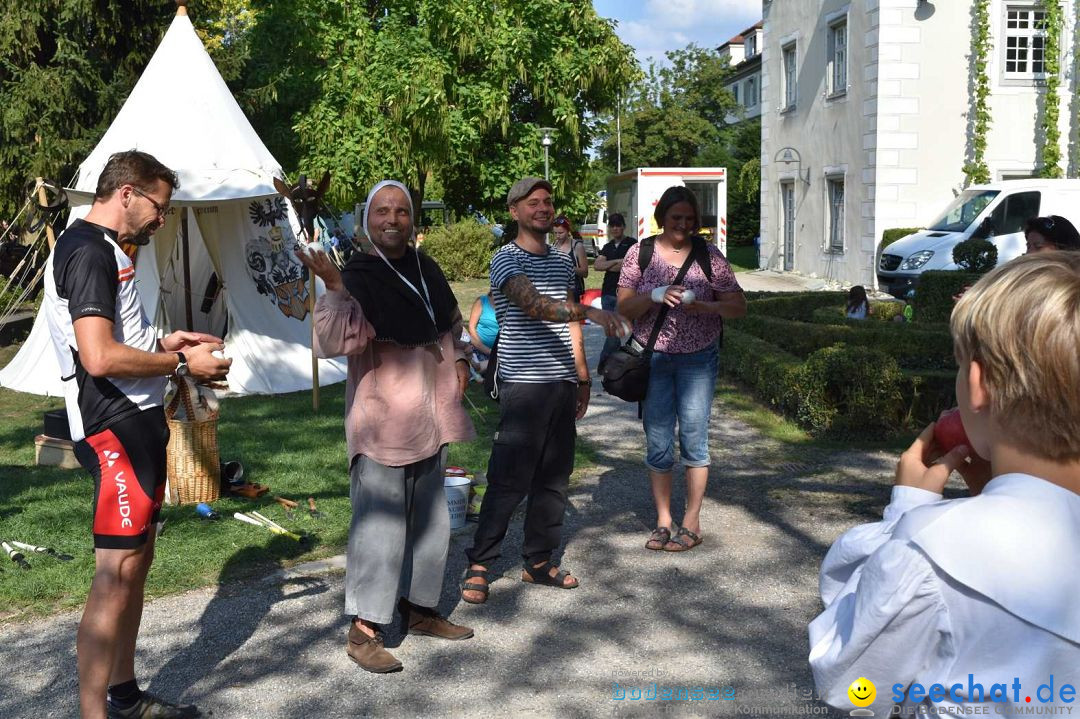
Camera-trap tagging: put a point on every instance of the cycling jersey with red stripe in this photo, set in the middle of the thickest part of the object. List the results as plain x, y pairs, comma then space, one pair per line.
88, 274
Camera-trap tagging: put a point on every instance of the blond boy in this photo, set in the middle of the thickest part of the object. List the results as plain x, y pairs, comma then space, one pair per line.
975, 602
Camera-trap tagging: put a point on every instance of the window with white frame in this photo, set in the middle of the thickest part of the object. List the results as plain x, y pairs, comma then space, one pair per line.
735, 92
751, 92
1025, 42
834, 188
790, 76
838, 44
751, 45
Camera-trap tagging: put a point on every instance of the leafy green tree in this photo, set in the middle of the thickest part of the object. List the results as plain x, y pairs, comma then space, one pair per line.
456, 89
677, 116
66, 68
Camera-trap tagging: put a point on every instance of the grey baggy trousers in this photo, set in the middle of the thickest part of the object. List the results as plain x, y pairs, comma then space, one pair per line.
400, 531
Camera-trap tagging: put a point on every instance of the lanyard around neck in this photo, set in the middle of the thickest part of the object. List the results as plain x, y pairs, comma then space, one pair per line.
425, 296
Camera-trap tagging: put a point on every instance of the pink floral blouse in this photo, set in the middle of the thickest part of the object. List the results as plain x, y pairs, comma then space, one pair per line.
682, 332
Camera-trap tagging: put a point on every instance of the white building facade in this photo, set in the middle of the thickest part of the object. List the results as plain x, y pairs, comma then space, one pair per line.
743, 53
867, 110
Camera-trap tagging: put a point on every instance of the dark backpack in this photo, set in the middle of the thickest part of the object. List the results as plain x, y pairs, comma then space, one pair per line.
699, 250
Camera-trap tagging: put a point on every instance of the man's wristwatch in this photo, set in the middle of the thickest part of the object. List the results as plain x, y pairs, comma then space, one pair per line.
587, 381
181, 366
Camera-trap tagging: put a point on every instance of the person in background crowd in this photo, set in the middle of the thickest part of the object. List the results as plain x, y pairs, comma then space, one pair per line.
610, 261
858, 306
1045, 234
563, 240
483, 329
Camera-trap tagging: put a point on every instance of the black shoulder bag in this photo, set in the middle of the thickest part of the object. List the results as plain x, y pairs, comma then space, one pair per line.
626, 371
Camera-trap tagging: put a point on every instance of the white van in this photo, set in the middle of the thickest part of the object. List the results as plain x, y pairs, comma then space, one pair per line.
996, 212
593, 229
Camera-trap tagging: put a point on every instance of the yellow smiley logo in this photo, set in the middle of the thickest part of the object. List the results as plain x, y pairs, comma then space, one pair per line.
862, 692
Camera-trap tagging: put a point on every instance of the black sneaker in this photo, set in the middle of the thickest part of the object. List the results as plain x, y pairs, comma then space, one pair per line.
150, 707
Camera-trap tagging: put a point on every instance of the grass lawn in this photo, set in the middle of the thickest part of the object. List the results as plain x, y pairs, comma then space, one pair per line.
743, 258
280, 442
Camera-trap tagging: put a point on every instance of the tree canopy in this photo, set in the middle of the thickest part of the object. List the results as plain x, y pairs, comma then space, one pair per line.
65, 71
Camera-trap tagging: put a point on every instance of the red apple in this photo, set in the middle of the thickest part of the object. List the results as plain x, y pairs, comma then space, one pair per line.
949, 430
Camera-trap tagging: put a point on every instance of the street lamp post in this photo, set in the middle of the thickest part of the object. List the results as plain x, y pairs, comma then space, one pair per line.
546, 141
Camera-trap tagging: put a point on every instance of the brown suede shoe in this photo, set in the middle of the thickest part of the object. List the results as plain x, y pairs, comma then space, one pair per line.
369, 653
427, 622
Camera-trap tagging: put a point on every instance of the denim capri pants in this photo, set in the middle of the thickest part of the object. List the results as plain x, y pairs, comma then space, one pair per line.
681, 387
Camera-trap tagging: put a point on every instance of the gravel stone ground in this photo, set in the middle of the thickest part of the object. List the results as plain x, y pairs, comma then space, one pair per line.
730, 615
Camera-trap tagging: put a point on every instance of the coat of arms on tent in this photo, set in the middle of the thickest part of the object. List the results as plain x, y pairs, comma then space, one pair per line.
272, 261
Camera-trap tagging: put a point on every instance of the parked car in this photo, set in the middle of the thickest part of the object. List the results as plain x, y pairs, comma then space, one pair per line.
995, 211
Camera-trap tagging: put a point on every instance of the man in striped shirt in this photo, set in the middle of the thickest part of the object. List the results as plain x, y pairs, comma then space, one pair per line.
543, 383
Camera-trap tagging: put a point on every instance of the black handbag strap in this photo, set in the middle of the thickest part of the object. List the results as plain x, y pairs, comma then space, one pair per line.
664, 309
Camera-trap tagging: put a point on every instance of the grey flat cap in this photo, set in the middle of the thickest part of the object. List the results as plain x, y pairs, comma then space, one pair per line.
524, 187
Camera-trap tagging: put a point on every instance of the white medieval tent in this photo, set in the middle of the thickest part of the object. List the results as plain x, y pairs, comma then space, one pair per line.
237, 229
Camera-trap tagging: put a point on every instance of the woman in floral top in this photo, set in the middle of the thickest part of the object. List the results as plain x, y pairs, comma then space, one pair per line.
684, 361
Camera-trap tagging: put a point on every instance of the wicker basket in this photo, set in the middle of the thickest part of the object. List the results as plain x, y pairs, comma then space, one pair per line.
193, 460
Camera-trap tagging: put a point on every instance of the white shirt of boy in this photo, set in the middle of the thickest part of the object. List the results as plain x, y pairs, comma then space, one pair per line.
964, 593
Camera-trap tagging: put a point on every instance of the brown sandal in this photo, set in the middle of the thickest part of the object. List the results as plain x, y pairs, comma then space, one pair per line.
659, 537
467, 586
682, 545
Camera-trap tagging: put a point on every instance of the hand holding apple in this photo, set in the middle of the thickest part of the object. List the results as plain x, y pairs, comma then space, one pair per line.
949, 431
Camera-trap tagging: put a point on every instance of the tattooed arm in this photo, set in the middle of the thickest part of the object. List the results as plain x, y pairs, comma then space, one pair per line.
520, 290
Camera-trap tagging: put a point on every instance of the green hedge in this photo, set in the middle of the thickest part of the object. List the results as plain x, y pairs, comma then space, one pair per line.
892, 235
912, 347
462, 249
839, 391
796, 305
934, 296
886, 311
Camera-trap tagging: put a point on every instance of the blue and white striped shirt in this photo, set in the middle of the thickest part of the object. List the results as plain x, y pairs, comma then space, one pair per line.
530, 350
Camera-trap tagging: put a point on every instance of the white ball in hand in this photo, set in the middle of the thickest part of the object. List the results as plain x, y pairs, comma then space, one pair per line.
220, 354
688, 297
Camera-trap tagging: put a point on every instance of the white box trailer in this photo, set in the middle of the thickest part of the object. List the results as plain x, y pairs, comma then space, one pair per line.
634, 193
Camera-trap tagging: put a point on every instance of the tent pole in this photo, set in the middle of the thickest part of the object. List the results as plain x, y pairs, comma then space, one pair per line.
43, 201
314, 359
187, 268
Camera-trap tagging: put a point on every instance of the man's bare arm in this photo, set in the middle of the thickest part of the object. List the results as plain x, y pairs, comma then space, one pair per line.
520, 290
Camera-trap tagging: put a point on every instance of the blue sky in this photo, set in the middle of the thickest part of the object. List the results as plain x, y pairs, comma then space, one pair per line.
654, 26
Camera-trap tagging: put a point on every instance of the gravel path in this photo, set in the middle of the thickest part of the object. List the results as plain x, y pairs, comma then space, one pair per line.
729, 616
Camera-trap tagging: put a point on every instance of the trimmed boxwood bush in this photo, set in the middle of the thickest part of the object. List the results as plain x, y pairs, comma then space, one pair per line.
934, 296
912, 347
975, 254
796, 305
840, 377
462, 249
851, 391
882, 312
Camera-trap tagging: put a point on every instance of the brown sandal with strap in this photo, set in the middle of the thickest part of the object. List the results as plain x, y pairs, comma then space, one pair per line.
467, 586
659, 537
682, 545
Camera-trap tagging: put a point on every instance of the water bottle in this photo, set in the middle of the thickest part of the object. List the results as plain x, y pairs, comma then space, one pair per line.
206, 512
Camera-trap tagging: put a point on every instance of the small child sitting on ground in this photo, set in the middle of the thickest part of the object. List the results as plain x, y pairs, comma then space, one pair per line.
858, 306
978, 592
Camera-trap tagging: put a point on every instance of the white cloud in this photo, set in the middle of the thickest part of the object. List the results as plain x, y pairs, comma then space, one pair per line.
673, 24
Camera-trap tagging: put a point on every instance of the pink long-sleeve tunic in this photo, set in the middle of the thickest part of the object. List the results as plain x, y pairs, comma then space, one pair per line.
401, 403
